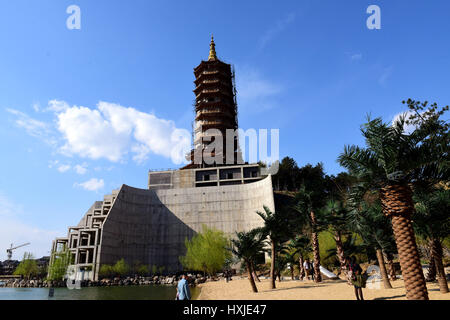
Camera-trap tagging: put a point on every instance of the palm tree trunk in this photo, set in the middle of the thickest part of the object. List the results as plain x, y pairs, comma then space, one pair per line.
272, 266
300, 267
250, 277
390, 263
384, 275
340, 251
315, 243
255, 276
398, 205
442, 280
431, 275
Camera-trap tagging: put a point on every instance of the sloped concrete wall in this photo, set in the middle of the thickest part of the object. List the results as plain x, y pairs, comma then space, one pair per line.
151, 226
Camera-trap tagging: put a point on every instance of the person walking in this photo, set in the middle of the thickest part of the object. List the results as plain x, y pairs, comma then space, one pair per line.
308, 268
357, 278
183, 291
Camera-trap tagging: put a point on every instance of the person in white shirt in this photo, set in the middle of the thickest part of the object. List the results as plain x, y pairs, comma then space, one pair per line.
308, 268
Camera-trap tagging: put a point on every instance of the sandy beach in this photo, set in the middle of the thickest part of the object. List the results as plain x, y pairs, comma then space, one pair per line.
239, 289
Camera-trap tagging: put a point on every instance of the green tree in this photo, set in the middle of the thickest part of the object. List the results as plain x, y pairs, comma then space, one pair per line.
286, 178
59, 264
121, 268
247, 246
27, 267
206, 251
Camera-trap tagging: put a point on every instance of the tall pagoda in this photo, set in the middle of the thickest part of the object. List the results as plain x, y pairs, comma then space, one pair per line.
215, 107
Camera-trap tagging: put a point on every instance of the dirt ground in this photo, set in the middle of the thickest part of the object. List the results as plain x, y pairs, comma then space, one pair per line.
239, 289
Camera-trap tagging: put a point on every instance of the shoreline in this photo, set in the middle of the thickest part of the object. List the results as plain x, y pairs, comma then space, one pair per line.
239, 289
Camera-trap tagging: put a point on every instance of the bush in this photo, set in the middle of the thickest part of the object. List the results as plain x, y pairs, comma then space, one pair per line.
106, 271
142, 270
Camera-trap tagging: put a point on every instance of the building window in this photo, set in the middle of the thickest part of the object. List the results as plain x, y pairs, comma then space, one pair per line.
229, 176
206, 177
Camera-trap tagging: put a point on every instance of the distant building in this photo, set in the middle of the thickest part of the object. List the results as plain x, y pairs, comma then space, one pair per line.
150, 225
8, 267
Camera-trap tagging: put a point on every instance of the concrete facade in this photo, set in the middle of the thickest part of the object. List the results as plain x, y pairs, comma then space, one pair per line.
150, 226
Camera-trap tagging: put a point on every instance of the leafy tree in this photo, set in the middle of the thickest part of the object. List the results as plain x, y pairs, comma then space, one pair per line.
60, 262
287, 177
206, 251
247, 246
121, 268
27, 267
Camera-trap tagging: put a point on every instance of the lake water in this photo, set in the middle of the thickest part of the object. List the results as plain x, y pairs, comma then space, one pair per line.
95, 293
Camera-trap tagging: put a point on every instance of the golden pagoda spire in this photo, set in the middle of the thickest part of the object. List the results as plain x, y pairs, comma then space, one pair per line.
212, 51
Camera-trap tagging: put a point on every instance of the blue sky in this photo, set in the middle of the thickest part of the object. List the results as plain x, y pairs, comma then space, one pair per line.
84, 111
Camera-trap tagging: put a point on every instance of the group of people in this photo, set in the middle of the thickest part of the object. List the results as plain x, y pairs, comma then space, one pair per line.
354, 272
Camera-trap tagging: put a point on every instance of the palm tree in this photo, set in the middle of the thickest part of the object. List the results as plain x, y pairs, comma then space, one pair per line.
247, 246
336, 218
308, 209
300, 245
432, 222
375, 230
386, 165
275, 228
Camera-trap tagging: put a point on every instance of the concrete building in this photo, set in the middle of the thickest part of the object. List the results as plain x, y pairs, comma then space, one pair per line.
150, 226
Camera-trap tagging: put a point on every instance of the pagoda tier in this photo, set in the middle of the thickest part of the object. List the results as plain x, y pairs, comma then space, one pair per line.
215, 104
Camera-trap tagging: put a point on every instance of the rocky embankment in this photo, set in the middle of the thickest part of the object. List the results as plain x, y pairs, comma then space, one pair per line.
128, 281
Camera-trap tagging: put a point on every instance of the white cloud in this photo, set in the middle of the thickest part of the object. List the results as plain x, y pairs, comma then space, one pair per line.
81, 169
33, 127
64, 168
279, 26
112, 131
356, 56
57, 106
109, 131
254, 91
385, 75
92, 185
409, 128
36, 107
